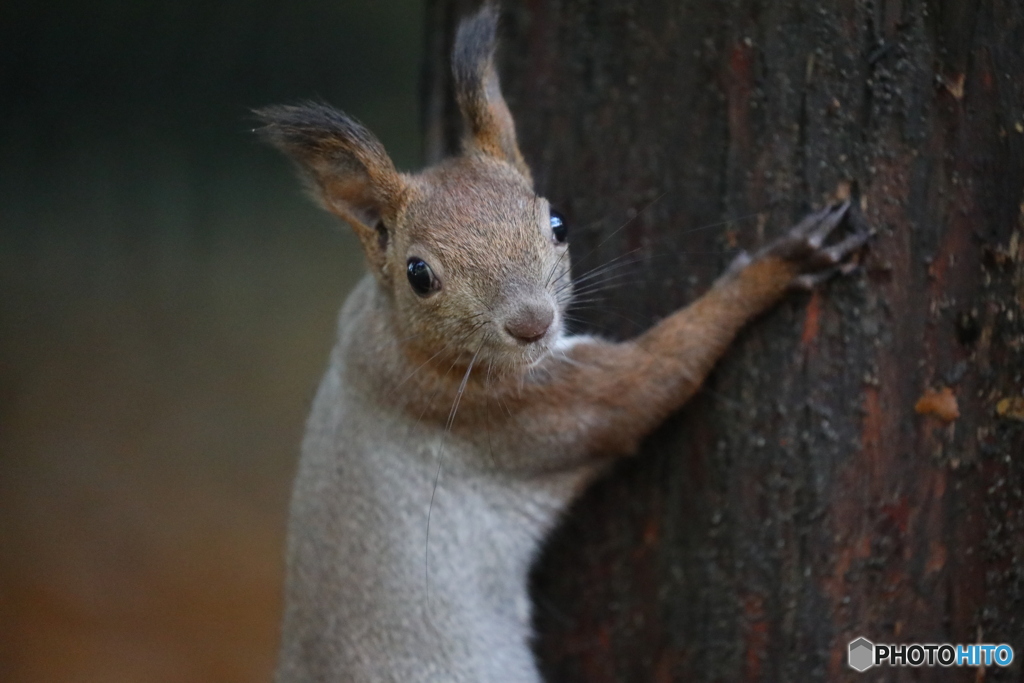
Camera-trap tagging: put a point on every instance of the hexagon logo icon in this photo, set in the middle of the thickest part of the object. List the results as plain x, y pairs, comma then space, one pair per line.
862, 654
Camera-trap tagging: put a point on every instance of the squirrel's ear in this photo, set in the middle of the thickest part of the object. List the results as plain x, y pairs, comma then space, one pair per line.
489, 124
345, 165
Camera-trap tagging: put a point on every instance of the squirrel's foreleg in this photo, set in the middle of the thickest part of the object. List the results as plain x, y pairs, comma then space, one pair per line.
615, 394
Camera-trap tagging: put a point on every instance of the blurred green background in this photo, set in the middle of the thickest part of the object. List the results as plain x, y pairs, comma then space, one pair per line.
167, 302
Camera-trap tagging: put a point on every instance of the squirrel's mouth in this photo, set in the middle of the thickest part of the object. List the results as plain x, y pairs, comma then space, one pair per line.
490, 348
504, 356
525, 357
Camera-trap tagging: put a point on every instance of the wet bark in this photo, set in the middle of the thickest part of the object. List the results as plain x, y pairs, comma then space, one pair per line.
801, 500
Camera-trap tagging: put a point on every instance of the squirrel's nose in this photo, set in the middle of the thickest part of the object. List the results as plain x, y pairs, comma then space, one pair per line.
530, 322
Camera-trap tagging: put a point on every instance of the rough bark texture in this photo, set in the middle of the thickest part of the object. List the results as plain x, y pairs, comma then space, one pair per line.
800, 501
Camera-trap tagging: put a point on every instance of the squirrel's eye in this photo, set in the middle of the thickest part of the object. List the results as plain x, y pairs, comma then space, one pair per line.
421, 277
559, 227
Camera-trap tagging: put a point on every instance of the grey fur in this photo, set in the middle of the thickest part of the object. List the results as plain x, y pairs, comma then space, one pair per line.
359, 607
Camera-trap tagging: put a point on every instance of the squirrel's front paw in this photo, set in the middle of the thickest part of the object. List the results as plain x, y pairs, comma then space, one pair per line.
804, 245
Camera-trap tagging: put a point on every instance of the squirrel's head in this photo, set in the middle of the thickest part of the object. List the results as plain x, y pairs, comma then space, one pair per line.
472, 260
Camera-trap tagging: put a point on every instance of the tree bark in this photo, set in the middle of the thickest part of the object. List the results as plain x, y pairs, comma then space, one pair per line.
803, 499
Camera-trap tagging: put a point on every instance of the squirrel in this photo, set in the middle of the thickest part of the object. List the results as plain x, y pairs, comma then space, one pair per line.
457, 419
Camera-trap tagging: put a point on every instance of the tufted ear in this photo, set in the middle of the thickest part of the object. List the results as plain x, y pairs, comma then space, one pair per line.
489, 125
345, 165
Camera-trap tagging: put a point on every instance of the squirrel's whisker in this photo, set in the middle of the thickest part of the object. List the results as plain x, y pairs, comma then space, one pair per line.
440, 461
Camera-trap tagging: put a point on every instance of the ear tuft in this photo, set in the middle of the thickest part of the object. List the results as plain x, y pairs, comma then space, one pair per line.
343, 160
345, 164
489, 124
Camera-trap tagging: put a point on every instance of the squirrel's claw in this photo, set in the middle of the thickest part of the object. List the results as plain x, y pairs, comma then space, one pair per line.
810, 281
834, 215
805, 239
838, 252
804, 245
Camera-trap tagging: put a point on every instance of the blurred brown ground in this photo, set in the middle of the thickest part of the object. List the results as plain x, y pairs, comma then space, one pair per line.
167, 301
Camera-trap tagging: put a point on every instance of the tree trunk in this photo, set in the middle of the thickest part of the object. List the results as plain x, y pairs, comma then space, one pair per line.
805, 497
